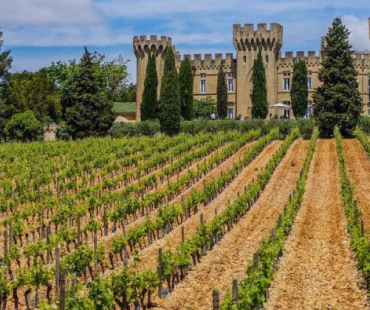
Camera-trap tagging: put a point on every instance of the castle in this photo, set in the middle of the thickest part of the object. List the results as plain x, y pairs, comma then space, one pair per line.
239, 70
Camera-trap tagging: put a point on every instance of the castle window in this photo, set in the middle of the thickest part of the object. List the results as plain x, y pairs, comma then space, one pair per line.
286, 81
230, 104
245, 60
267, 59
309, 80
230, 85
202, 83
230, 113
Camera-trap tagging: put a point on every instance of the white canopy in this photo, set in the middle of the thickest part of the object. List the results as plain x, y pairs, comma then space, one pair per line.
280, 105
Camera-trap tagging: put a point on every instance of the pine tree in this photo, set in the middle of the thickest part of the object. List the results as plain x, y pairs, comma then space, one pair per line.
221, 94
337, 102
91, 112
299, 91
149, 103
186, 89
259, 95
169, 103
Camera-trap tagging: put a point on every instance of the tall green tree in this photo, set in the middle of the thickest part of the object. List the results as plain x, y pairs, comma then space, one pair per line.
221, 94
299, 91
91, 112
169, 103
186, 89
259, 95
337, 101
5, 65
149, 104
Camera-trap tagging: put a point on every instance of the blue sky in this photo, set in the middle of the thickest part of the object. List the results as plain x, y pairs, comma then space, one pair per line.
41, 31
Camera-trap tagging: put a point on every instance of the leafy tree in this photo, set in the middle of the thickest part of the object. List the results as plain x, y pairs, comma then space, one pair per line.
33, 91
116, 74
299, 91
203, 108
259, 95
5, 62
91, 112
169, 103
128, 93
221, 94
5, 65
186, 89
23, 127
337, 101
149, 103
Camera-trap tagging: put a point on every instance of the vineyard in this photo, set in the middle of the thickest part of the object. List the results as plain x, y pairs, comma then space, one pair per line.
206, 221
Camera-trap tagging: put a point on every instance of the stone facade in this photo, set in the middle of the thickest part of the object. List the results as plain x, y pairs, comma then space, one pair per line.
50, 132
239, 70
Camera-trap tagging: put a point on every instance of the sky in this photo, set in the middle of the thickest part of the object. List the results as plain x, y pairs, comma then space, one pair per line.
39, 32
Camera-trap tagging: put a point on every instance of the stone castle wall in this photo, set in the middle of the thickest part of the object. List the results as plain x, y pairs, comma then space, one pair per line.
246, 39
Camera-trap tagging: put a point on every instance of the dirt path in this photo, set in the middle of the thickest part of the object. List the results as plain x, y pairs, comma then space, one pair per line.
230, 257
358, 165
317, 270
170, 242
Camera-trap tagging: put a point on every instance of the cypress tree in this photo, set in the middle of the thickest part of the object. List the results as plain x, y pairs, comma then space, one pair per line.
221, 94
186, 89
299, 91
169, 103
149, 104
91, 112
259, 95
337, 102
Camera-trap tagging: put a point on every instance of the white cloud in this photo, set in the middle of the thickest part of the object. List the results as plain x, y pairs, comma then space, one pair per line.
48, 12
99, 35
359, 29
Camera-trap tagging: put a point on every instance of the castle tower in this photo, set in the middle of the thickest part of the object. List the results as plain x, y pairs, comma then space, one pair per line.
247, 41
142, 47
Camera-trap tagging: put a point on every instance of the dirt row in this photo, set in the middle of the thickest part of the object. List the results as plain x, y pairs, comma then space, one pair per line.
149, 255
229, 258
317, 270
358, 167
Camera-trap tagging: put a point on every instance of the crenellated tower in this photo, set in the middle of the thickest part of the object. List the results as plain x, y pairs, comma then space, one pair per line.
142, 46
247, 40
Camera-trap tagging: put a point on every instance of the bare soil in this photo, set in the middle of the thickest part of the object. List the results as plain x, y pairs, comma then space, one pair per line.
149, 255
358, 166
229, 258
317, 270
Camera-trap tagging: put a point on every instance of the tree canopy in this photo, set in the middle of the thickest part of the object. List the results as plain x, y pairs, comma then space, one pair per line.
299, 91
186, 89
221, 94
337, 102
149, 109
259, 95
169, 103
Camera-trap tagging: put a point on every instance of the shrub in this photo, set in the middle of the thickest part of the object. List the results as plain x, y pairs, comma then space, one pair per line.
23, 127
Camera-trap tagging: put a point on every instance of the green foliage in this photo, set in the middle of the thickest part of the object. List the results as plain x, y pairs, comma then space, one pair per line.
186, 89
299, 91
337, 101
23, 127
359, 239
149, 103
203, 108
116, 74
259, 95
91, 112
101, 294
63, 131
169, 103
221, 94
5, 62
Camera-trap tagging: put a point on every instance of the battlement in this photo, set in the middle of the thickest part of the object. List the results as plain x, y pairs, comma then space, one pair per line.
361, 59
142, 44
248, 38
289, 58
208, 60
